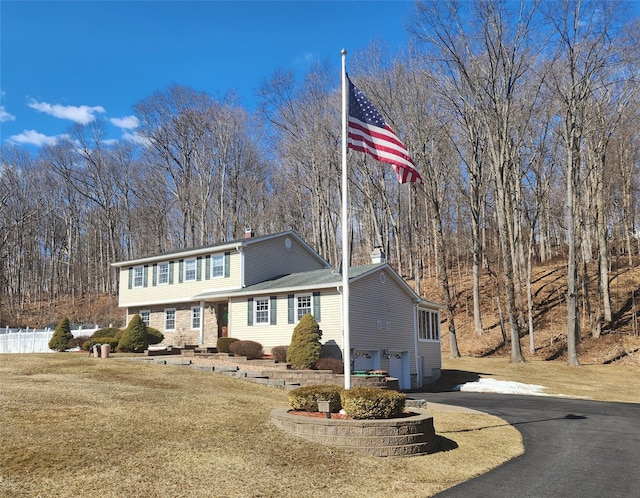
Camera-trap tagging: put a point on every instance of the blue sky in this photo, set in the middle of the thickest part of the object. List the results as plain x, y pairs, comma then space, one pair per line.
66, 62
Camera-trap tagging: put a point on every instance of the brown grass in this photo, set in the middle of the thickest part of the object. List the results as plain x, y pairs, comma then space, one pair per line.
77, 426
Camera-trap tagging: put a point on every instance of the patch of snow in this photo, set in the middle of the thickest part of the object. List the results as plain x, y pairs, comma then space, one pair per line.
500, 387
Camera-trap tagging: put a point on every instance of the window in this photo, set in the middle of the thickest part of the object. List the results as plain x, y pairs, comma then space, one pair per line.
196, 317
428, 325
170, 319
262, 311
138, 276
189, 269
145, 316
303, 305
163, 273
217, 266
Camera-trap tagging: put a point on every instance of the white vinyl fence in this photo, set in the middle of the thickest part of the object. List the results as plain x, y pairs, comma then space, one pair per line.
32, 340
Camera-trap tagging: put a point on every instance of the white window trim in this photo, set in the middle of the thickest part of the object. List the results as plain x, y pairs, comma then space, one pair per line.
296, 301
160, 273
134, 279
431, 335
193, 308
167, 310
221, 256
255, 311
186, 269
148, 312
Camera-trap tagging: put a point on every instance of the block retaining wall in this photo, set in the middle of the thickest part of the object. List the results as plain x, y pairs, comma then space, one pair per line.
409, 436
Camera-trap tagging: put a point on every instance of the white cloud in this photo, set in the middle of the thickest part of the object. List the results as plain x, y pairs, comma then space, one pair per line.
5, 116
79, 114
136, 139
126, 123
32, 137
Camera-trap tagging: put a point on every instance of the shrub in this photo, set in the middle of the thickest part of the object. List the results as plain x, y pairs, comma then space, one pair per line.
106, 332
87, 345
336, 366
370, 402
154, 336
134, 338
61, 335
77, 342
306, 398
279, 353
305, 346
251, 349
223, 344
111, 341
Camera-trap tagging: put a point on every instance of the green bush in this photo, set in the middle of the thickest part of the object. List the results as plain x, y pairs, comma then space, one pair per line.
279, 353
134, 339
223, 344
251, 349
336, 366
106, 332
154, 336
370, 403
61, 335
305, 346
306, 398
112, 341
77, 342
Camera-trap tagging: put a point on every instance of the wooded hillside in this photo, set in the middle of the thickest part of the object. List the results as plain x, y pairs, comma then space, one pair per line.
522, 120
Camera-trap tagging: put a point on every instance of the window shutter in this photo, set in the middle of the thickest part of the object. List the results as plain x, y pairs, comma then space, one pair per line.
227, 264
290, 309
130, 277
180, 270
250, 311
273, 310
170, 272
207, 267
145, 275
199, 268
154, 277
316, 306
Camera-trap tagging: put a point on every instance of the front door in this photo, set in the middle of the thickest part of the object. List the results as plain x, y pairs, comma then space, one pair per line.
223, 319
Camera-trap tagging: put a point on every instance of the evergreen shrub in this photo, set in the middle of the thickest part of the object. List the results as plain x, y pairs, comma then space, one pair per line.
304, 349
251, 349
106, 332
111, 341
279, 353
77, 342
223, 344
372, 403
306, 398
61, 335
134, 338
154, 336
336, 366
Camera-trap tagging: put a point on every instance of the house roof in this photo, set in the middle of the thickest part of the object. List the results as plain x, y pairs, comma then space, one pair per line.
222, 246
315, 279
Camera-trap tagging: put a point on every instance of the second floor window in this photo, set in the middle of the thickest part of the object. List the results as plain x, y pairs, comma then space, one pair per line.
189, 270
163, 273
138, 276
217, 266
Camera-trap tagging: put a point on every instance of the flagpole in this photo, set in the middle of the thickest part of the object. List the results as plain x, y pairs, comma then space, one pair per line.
346, 343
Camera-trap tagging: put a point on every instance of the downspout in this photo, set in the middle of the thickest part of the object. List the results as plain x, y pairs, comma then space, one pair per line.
419, 372
201, 341
241, 252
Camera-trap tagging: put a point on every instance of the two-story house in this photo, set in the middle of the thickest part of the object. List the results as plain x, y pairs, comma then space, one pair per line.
258, 288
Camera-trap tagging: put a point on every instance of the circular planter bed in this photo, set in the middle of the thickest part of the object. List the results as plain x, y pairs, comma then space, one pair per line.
405, 436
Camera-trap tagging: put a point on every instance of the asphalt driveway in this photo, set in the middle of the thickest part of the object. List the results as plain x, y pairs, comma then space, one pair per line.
573, 448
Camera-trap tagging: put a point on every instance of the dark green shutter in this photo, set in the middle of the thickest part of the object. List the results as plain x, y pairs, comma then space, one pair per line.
273, 310
130, 277
145, 275
316, 306
199, 268
227, 264
290, 309
180, 270
250, 311
207, 267
170, 272
154, 277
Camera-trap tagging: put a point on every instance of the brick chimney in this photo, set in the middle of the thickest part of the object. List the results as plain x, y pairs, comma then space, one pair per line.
248, 233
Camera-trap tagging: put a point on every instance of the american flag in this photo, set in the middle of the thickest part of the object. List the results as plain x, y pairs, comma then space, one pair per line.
369, 133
